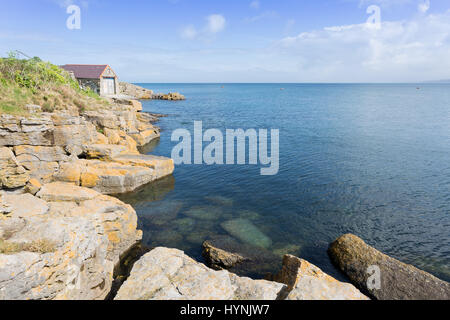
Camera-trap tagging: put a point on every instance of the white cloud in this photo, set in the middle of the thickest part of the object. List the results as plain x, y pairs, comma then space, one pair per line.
264, 15
424, 6
255, 4
189, 32
400, 51
216, 23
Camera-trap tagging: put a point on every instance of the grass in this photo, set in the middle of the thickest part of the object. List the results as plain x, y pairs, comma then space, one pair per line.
39, 246
32, 81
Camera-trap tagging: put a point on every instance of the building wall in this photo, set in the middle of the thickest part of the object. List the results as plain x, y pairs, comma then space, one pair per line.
93, 84
109, 73
96, 85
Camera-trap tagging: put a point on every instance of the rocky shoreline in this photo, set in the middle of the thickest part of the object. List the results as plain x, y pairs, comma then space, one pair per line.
140, 93
63, 237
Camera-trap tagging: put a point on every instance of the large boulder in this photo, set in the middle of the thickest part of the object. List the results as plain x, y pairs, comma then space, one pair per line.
168, 274
305, 281
62, 246
398, 281
12, 174
219, 259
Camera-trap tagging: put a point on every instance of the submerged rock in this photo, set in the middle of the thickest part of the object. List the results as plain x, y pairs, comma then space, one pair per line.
162, 212
184, 225
198, 237
305, 281
399, 281
168, 274
256, 262
219, 200
166, 238
247, 232
247, 214
292, 249
204, 212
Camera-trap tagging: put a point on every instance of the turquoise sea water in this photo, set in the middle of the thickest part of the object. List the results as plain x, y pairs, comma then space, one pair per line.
373, 160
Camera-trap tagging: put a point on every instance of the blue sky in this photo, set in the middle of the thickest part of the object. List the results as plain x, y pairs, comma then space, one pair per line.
238, 40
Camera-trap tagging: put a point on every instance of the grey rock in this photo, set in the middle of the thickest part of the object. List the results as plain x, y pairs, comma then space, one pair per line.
399, 281
88, 233
168, 274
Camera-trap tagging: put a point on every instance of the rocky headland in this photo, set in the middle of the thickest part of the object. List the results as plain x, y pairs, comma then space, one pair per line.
140, 93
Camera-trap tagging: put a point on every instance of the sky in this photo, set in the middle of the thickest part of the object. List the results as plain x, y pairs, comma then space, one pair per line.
224, 41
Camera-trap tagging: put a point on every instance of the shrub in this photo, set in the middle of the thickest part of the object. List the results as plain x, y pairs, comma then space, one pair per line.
25, 81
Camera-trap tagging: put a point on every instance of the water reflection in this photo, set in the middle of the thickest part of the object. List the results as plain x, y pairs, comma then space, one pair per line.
154, 191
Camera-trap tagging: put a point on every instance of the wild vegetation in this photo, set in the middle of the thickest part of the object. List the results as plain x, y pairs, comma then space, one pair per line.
33, 81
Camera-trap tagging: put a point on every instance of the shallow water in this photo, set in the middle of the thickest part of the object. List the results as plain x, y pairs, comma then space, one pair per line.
373, 160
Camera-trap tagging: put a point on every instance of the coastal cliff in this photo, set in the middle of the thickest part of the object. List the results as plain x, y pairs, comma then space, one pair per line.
62, 151
61, 236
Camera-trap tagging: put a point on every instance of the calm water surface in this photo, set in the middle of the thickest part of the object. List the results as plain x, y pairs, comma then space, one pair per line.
373, 160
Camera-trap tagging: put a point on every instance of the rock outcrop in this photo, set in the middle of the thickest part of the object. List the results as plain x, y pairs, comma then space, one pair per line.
62, 243
60, 235
219, 259
305, 281
171, 96
135, 91
12, 174
398, 281
97, 149
168, 274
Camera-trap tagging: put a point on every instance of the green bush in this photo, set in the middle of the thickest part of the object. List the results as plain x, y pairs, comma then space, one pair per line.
24, 81
34, 73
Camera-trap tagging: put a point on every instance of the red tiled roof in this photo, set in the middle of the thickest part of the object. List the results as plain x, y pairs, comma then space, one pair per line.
85, 71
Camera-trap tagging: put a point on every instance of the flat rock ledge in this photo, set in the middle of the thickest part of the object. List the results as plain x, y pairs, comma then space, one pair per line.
63, 243
397, 280
95, 149
168, 274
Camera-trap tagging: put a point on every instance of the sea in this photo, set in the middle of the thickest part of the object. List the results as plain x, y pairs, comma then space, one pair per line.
367, 159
